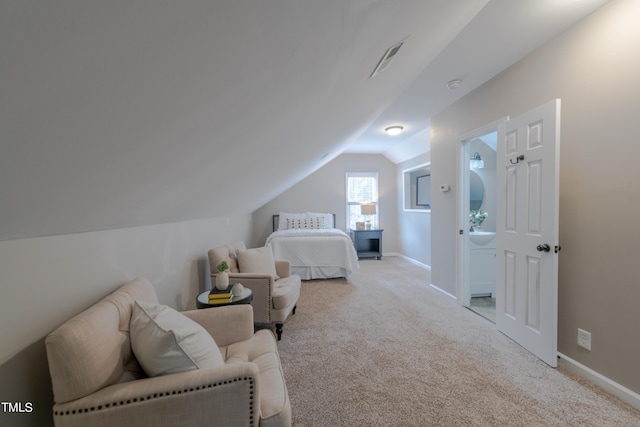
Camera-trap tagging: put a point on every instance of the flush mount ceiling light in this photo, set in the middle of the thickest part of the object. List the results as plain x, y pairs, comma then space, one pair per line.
394, 130
454, 84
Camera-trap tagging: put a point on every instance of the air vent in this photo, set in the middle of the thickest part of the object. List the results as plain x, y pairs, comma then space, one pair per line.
385, 61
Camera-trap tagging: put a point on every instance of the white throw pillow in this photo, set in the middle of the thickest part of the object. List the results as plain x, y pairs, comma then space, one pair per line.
327, 218
285, 217
308, 223
257, 260
165, 341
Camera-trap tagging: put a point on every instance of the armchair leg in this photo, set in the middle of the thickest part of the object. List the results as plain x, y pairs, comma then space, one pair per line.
294, 309
279, 331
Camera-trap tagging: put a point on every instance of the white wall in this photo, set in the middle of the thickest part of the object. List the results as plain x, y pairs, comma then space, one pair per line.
48, 280
414, 228
593, 69
324, 191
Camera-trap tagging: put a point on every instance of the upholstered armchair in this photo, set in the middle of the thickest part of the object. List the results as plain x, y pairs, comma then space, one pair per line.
108, 367
275, 289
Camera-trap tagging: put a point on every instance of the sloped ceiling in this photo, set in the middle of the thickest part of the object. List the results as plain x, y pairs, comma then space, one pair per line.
120, 113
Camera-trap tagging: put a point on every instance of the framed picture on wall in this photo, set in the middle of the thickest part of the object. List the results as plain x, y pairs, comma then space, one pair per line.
423, 190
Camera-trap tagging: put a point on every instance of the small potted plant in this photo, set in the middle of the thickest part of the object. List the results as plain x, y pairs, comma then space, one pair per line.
222, 278
477, 217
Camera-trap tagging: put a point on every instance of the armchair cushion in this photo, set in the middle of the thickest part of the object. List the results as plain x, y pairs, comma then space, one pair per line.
257, 260
166, 342
227, 253
286, 292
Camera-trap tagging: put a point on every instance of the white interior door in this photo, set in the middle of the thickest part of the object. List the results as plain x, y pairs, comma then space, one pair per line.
527, 230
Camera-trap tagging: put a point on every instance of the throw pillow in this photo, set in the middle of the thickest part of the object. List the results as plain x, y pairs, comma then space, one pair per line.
165, 341
327, 218
308, 223
286, 217
257, 260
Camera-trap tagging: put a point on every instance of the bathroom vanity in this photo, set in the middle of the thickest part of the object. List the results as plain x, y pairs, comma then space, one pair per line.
482, 264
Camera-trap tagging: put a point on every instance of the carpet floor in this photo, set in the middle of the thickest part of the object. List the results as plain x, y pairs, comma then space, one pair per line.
386, 349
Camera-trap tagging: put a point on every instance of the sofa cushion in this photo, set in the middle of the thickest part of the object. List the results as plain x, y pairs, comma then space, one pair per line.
92, 350
257, 260
166, 341
262, 350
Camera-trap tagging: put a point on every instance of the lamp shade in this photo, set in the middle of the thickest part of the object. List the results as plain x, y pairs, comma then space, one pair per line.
368, 209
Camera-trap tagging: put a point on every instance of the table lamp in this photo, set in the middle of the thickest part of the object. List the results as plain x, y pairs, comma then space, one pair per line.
368, 209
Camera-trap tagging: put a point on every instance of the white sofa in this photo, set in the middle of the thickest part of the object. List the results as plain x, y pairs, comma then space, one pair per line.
97, 380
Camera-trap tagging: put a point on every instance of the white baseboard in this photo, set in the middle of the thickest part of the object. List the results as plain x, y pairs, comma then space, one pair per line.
413, 261
608, 385
443, 291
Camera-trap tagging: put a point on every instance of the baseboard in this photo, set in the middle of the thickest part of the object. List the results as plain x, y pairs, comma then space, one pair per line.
443, 291
608, 385
413, 261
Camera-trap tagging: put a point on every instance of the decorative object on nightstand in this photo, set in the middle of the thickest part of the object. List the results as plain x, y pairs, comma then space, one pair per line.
368, 243
368, 209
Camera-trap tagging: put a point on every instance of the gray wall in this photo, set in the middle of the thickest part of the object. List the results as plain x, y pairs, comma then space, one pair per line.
48, 280
414, 228
324, 191
594, 69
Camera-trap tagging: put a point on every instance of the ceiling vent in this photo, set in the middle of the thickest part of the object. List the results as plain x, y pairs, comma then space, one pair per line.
385, 61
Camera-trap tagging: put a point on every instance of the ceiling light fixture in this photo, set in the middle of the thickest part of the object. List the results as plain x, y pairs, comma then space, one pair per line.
394, 130
454, 84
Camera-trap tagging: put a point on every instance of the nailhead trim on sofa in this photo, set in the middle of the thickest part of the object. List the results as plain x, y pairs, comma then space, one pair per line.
158, 395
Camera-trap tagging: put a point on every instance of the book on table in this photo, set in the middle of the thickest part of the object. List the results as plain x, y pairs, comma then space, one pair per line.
223, 295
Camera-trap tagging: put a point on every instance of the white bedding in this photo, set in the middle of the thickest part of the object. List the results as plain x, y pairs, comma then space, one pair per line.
315, 253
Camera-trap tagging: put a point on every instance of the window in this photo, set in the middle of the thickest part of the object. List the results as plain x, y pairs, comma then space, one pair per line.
362, 187
417, 191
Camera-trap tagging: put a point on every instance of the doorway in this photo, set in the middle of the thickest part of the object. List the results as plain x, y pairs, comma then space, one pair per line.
526, 236
478, 212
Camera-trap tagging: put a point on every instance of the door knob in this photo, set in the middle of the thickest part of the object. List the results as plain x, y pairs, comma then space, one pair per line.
543, 248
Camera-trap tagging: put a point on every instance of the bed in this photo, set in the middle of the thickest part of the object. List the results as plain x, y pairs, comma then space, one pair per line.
315, 248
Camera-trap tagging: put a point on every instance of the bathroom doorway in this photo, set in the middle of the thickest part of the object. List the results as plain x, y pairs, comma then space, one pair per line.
478, 221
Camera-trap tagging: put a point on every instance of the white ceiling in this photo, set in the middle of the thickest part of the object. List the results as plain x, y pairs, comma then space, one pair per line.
502, 33
119, 113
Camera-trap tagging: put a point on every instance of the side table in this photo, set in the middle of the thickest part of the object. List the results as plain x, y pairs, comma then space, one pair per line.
368, 243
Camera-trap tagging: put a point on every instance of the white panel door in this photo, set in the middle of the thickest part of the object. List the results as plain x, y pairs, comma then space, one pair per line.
527, 230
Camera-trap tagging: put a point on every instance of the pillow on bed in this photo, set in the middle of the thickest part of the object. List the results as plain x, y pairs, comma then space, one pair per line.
316, 222
326, 217
283, 222
257, 260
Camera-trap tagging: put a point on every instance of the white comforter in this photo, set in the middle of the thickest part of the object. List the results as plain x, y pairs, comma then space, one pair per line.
314, 248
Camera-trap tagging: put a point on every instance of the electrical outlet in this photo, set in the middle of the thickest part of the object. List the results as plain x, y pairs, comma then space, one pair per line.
584, 339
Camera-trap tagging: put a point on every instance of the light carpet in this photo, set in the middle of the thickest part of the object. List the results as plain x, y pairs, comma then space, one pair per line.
386, 349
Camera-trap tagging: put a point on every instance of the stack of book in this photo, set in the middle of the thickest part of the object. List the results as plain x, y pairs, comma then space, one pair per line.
219, 297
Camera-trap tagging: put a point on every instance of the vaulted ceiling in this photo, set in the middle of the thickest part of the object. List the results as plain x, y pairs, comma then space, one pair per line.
120, 113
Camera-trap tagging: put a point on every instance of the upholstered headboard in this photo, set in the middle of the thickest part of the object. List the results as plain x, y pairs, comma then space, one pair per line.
276, 221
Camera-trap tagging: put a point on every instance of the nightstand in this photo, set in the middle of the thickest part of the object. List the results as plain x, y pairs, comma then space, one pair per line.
368, 243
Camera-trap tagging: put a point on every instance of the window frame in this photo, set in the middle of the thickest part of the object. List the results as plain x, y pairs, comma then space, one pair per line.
376, 198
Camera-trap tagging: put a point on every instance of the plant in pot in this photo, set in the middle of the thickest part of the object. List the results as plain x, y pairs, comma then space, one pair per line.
477, 217
222, 278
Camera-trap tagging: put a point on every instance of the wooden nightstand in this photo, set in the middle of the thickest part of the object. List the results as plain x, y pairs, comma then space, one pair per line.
368, 243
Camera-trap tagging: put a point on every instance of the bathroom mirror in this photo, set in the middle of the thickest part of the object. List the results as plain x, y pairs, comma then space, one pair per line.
476, 191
